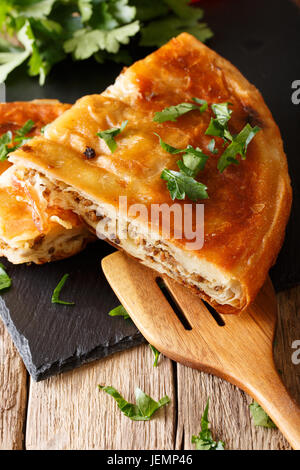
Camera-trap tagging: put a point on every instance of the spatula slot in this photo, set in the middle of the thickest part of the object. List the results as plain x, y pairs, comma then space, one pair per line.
214, 314
176, 308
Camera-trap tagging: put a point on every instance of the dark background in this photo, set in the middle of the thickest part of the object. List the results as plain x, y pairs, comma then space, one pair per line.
262, 39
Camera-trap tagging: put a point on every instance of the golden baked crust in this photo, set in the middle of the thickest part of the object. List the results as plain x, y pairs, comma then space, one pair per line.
249, 203
30, 232
14, 115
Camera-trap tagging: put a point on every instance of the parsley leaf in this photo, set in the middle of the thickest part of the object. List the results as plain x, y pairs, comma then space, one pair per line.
202, 103
88, 28
123, 12
193, 161
55, 297
222, 112
144, 408
204, 440
5, 139
218, 126
85, 9
21, 133
12, 57
5, 280
184, 19
37, 9
260, 417
238, 146
173, 112
156, 354
119, 312
211, 146
85, 42
109, 136
181, 185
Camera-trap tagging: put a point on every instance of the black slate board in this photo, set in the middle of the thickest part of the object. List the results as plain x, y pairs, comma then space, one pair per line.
262, 39
52, 338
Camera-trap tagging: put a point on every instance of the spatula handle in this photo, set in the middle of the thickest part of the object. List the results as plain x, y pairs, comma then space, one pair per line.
272, 395
239, 351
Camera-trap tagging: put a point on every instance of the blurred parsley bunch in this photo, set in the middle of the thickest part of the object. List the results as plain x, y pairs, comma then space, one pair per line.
44, 32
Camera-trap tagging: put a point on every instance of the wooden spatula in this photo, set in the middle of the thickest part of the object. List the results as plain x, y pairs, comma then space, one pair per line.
240, 351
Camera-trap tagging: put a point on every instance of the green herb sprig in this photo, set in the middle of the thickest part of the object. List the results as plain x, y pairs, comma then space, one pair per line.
9, 143
260, 417
182, 183
156, 354
5, 141
5, 280
109, 136
119, 312
238, 144
144, 408
49, 30
55, 296
204, 440
174, 112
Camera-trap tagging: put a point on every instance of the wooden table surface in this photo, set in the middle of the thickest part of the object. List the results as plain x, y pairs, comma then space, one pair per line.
69, 412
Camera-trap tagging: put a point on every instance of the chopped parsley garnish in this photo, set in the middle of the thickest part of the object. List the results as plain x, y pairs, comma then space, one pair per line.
211, 147
174, 112
21, 133
238, 144
119, 312
5, 280
55, 297
144, 408
260, 417
9, 143
109, 136
202, 103
218, 126
182, 183
193, 161
5, 140
204, 440
156, 354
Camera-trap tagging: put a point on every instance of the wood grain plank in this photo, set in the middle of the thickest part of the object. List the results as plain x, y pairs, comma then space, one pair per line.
69, 412
13, 394
229, 412
287, 332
